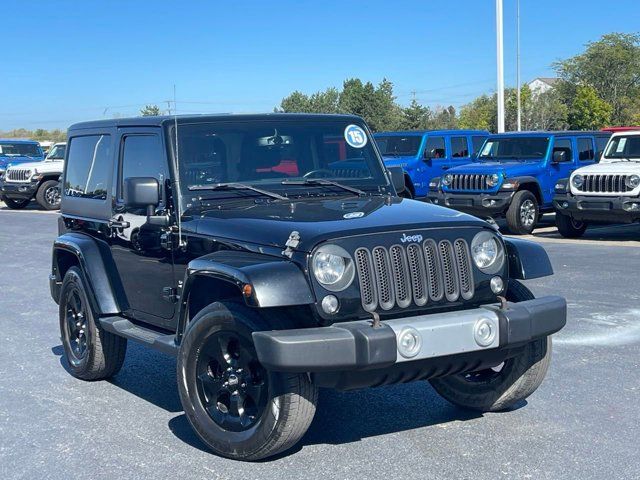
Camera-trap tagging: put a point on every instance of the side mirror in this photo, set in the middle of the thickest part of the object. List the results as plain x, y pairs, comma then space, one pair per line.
429, 154
142, 192
560, 156
397, 179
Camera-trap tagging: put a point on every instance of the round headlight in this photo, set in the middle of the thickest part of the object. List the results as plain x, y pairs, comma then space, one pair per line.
577, 181
633, 181
447, 179
492, 180
333, 267
487, 252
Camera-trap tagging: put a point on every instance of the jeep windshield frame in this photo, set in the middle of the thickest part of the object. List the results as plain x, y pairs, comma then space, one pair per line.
520, 148
623, 147
275, 155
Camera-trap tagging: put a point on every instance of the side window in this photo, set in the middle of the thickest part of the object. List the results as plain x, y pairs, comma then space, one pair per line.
88, 167
459, 147
601, 143
477, 142
564, 145
434, 147
142, 156
585, 149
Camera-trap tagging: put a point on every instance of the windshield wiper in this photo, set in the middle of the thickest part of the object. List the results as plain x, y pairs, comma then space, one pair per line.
236, 186
321, 181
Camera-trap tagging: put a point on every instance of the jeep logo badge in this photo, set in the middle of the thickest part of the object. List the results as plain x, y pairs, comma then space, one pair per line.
410, 238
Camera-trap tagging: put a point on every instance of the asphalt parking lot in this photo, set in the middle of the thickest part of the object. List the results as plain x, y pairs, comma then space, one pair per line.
582, 422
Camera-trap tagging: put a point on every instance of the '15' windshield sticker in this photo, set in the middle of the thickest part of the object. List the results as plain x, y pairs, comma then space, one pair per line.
355, 136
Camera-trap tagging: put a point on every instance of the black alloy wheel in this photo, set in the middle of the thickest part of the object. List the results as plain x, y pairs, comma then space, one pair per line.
232, 385
76, 333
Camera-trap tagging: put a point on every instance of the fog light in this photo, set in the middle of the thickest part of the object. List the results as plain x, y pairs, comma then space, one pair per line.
632, 206
409, 342
497, 285
330, 304
565, 204
484, 332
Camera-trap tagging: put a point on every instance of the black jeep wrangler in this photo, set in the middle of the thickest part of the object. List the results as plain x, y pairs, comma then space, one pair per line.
272, 255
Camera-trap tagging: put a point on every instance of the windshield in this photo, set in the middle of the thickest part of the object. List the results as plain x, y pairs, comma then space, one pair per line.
396, 146
57, 152
624, 146
8, 149
515, 148
271, 153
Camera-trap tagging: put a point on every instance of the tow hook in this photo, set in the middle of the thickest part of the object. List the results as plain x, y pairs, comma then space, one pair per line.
503, 303
376, 320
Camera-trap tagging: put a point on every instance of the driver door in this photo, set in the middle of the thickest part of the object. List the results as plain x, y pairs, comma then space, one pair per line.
144, 263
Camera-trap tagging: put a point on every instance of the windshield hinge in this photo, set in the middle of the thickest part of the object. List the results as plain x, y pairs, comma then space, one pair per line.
292, 243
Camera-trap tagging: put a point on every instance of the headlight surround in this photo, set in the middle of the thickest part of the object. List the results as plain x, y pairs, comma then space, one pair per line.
577, 181
487, 252
333, 267
493, 179
633, 181
447, 179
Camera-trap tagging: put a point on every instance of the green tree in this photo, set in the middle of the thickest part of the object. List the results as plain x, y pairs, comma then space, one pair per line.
546, 111
479, 114
150, 110
611, 66
588, 111
415, 117
444, 118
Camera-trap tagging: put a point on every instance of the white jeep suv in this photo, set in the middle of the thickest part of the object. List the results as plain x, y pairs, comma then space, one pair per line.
605, 192
25, 181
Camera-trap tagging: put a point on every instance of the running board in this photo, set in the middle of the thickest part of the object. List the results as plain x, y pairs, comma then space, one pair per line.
158, 341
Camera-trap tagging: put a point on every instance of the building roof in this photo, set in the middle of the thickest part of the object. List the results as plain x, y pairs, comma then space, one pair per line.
551, 81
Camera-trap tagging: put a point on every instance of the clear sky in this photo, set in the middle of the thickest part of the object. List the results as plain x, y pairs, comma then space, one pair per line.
66, 61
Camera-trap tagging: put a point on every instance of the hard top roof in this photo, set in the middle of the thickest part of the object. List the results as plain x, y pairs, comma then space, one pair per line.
430, 132
558, 133
161, 120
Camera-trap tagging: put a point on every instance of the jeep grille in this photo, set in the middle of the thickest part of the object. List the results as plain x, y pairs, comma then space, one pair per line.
417, 273
18, 174
469, 182
605, 184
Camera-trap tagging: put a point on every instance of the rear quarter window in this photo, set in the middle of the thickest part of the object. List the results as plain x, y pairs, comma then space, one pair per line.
88, 167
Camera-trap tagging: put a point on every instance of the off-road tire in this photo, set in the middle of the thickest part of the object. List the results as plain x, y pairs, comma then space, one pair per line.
105, 351
515, 222
15, 204
518, 378
291, 400
43, 198
568, 227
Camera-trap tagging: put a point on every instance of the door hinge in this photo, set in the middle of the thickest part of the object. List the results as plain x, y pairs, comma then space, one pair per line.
170, 294
166, 241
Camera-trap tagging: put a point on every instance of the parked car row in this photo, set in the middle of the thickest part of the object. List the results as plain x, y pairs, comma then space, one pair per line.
519, 176
25, 177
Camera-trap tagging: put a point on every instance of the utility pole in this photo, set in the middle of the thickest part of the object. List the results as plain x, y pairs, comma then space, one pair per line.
500, 59
518, 64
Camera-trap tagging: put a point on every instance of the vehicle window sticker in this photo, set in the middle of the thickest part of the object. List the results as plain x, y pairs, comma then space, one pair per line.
487, 148
621, 144
355, 136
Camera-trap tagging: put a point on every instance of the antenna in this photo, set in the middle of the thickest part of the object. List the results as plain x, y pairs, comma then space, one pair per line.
177, 182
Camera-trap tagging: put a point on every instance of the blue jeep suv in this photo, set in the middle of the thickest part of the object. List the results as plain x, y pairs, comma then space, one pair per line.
425, 154
14, 151
515, 175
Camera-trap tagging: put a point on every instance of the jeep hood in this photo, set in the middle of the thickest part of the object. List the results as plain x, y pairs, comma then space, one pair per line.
317, 220
507, 168
611, 168
6, 161
43, 165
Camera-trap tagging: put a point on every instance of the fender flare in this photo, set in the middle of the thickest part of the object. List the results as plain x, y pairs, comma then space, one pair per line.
95, 261
527, 179
271, 281
527, 259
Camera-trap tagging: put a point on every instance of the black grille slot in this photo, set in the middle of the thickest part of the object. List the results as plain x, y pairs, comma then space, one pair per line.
365, 276
400, 275
463, 262
451, 287
418, 274
384, 282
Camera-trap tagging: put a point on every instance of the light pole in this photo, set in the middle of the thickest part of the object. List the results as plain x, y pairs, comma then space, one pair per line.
518, 64
499, 54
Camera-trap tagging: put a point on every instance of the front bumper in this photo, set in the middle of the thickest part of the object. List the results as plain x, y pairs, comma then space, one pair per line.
359, 346
18, 190
598, 209
479, 204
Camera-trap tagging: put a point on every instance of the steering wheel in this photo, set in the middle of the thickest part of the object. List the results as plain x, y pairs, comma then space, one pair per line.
319, 173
